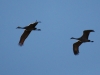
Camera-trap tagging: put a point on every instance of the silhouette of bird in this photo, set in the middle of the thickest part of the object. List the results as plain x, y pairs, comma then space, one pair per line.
82, 39
27, 31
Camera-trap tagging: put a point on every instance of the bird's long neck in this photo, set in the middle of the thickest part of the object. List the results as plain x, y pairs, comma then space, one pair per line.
20, 27
74, 38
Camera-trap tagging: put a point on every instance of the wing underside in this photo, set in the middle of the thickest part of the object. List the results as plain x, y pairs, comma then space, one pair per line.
76, 47
23, 37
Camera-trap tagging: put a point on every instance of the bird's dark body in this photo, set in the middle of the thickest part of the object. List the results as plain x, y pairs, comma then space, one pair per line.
83, 40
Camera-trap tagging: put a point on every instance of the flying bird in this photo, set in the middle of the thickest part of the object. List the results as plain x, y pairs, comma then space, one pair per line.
82, 39
27, 31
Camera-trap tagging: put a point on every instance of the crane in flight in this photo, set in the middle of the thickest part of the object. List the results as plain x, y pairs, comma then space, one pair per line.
27, 31
82, 39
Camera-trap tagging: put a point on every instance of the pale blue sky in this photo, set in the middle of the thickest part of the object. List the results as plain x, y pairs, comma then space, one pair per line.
49, 51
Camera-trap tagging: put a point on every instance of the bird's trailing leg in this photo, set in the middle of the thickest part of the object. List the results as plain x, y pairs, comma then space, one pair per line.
38, 29
91, 41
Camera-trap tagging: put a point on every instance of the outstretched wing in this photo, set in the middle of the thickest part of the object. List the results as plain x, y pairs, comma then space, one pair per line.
23, 37
76, 47
86, 33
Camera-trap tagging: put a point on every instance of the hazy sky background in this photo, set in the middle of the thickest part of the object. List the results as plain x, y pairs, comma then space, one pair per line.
49, 51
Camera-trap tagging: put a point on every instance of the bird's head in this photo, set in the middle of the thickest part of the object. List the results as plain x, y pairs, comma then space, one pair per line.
72, 38
18, 27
